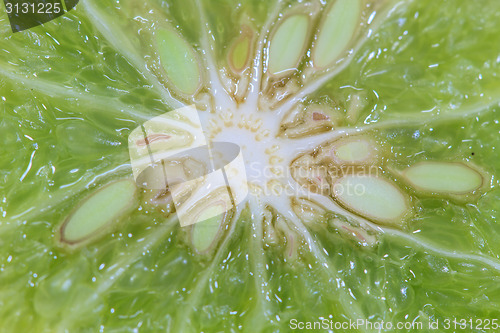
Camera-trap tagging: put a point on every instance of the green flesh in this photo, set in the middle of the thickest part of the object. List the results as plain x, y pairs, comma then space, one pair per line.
287, 44
336, 30
452, 178
98, 211
239, 55
426, 72
353, 151
204, 232
372, 197
178, 60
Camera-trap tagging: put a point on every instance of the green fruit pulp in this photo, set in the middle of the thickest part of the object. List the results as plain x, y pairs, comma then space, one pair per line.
70, 95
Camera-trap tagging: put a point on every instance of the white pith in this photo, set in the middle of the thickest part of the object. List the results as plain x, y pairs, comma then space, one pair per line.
267, 157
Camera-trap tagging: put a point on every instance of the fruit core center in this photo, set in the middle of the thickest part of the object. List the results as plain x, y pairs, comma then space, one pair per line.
263, 153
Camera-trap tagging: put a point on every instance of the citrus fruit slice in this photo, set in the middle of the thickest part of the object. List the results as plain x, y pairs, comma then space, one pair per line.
368, 133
